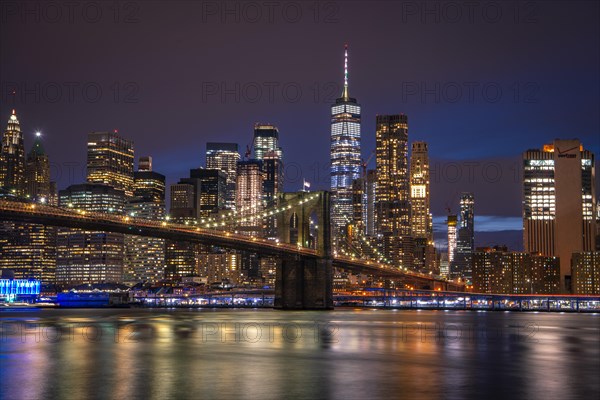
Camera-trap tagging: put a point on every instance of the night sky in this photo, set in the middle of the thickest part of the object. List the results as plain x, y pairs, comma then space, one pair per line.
480, 85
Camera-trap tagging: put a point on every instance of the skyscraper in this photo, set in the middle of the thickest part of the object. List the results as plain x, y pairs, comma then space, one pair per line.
345, 155
193, 200
370, 197
110, 161
37, 173
90, 256
392, 200
266, 139
249, 202
272, 186
465, 241
224, 156
12, 159
211, 187
559, 203
451, 222
181, 258
28, 249
421, 220
145, 256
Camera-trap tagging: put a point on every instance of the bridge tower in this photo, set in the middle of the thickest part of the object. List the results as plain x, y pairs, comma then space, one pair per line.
304, 282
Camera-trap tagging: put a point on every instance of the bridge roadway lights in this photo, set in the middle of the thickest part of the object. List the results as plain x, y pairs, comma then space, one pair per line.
304, 283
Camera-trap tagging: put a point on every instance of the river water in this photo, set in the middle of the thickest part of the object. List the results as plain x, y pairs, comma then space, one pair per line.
268, 354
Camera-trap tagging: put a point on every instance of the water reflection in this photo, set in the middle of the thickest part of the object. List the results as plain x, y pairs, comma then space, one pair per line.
116, 354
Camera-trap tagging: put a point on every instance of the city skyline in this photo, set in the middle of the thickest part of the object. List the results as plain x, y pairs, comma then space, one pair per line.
543, 98
300, 199
493, 230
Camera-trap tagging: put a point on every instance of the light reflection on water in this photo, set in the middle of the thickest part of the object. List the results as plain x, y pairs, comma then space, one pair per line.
264, 354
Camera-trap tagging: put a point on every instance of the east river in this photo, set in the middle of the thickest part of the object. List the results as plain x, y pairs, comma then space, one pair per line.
268, 354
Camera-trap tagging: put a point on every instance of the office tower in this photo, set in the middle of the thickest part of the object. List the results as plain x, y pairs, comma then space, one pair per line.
266, 139
181, 258
210, 191
37, 172
451, 222
30, 249
182, 202
267, 150
221, 266
345, 155
370, 197
12, 159
559, 203
144, 164
498, 270
585, 270
224, 156
110, 161
358, 205
249, 204
145, 256
444, 264
272, 186
90, 256
392, 199
267, 271
465, 240
421, 220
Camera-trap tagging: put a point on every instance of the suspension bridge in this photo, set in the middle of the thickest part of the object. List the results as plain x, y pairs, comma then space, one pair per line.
304, 279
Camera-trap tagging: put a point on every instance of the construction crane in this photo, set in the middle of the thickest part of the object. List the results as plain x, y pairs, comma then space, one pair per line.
365, 163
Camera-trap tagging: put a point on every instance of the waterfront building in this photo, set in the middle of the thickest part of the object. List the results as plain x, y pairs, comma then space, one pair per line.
85, 256
145, 256
498, 270
559, 203
585, 270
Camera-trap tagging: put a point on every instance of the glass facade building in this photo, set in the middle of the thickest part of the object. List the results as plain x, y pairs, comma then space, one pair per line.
465, 241
249, 197
145, 256
224, 156
90, 256
110, 161
345, 156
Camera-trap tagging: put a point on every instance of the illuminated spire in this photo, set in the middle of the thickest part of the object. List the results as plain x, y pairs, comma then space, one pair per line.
13, 117
345, 95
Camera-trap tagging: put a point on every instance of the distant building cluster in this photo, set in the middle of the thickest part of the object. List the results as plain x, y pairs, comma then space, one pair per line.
382, 214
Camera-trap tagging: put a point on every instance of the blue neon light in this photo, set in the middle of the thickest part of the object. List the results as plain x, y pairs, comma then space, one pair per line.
17, 287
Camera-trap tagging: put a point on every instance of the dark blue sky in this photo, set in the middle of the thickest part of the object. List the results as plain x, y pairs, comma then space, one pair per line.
480, 84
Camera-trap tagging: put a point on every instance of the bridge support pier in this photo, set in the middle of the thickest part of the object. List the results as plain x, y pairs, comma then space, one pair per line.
304, 284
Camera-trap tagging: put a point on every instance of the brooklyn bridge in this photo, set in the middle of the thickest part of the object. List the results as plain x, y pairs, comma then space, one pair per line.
304, 279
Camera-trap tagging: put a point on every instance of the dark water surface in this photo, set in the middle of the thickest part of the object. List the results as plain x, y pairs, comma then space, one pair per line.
267, 354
